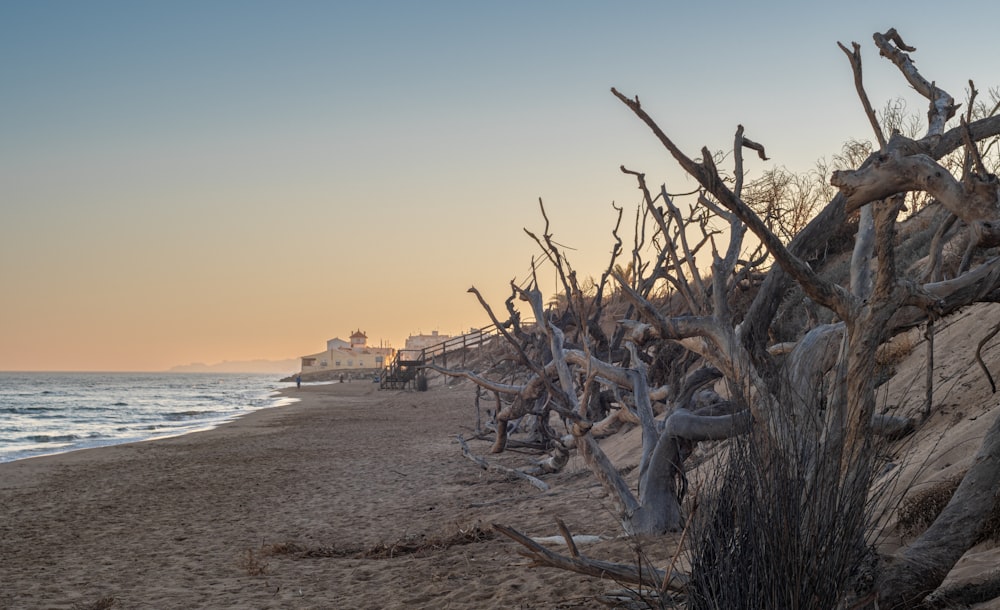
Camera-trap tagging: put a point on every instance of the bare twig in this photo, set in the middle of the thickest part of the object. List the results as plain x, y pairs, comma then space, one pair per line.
854, 56
581, 564
942, 105
820, 290
979, 356
482, 463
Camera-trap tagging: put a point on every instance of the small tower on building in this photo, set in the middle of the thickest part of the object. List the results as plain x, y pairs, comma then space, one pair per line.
358, 339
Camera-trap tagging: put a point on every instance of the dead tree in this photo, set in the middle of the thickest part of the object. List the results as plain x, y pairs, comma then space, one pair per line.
809, 416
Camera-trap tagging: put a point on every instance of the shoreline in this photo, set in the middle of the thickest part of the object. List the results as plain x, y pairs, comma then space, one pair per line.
206, 427
141, 419
41, 464
287, 507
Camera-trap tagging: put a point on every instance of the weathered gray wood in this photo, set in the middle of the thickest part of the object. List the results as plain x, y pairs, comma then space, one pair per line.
642, 574
922, 566
482, 463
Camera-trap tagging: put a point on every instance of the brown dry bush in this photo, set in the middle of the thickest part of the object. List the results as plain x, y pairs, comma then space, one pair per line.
894, 351
919, 510
108, 602
253, 563
756, 541
421, 543
407, 545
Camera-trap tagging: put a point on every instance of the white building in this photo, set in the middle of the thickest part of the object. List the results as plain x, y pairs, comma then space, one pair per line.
348, 356
419, 342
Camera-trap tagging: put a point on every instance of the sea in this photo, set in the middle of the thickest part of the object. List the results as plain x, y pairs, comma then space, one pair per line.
45, 413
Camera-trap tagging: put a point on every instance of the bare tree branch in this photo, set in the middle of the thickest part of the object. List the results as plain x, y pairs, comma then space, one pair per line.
942, 105
820, 290
854, 56
893, 173
542, 485
639, 575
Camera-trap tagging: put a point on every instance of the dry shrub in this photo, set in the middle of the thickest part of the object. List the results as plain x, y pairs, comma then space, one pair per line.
767, 539
253, 563
281, 548
407, 545
919, 510
892, 352
420, 543
108, 602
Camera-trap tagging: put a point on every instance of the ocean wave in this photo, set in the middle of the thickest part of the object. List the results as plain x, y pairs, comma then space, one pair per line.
45, 438
54, 412
27, 409
182, 415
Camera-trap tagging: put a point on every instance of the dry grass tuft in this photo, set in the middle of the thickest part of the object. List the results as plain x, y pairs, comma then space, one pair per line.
892, 352
407, 545
766, 539
108, 602
253, 563
418, 544
919, 510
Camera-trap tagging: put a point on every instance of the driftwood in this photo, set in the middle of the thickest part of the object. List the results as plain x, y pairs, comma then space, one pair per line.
581, 564
536, 482
921, 567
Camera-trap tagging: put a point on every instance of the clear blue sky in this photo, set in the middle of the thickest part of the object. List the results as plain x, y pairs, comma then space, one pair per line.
200, 181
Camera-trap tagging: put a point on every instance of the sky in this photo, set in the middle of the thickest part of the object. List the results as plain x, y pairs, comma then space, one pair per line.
205, 181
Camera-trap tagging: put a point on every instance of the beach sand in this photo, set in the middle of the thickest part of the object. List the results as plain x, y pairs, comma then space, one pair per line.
360, 498
351, 498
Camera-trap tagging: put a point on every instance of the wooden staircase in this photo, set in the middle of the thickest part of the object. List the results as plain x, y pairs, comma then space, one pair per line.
406, 367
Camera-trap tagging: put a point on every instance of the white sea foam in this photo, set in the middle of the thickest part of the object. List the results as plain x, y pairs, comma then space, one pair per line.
43, 413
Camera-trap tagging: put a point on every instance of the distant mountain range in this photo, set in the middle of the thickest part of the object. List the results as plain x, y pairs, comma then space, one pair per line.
277, 367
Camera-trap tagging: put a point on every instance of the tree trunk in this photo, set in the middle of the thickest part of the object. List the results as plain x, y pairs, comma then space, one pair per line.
923, 565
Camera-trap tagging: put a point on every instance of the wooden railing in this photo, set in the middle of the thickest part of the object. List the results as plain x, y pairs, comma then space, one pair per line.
404, 368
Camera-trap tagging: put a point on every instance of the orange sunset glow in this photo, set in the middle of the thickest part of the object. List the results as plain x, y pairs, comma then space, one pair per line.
199, 182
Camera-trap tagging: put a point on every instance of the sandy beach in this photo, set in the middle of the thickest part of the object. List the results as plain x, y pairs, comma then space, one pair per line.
351, 498
358, 498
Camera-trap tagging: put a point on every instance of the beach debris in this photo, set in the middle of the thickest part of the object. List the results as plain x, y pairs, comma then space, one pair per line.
482, 463
559, 540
